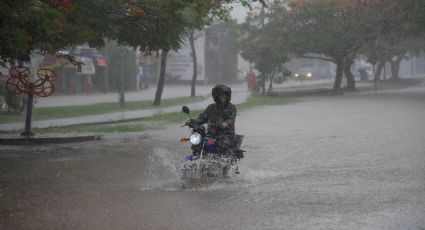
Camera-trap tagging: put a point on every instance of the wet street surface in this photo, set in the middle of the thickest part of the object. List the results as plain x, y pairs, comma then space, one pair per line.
335, 162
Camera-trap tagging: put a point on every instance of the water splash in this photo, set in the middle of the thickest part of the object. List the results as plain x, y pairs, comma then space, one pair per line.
166, 172
162, 164
166, 160
210, 167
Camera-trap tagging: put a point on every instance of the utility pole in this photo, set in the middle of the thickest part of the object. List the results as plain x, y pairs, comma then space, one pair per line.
121, 97
375, 79
219, 55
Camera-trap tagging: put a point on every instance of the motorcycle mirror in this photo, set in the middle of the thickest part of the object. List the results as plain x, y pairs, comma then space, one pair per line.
185, 109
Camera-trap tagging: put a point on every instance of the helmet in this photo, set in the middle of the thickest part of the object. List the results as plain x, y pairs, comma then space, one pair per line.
221, 90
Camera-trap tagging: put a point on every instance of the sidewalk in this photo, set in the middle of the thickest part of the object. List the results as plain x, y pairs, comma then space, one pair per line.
170, 91
239, 95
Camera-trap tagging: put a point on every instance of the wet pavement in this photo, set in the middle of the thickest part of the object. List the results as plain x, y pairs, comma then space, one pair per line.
355, 161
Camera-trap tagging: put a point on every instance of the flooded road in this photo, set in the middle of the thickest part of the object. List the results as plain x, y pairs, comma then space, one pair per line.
347, 162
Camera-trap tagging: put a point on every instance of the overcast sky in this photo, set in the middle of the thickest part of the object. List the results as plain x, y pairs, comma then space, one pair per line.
239, 12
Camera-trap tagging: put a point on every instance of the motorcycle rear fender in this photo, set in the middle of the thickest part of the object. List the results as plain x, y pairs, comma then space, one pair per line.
238, 153
237, 141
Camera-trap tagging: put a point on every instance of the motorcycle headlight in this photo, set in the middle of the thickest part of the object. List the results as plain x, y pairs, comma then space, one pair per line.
195, 139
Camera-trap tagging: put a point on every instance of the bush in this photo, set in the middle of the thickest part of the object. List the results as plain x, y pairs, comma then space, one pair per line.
11, 103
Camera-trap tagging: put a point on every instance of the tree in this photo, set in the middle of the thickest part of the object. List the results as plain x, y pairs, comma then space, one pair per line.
397, 33
48, 26
192, 37
196, 21
205, 14
259, 45
29, 26
162, 25
415, 11
151, 26
332, 30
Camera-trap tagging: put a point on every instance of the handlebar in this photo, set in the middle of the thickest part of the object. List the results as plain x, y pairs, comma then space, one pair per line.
194, 125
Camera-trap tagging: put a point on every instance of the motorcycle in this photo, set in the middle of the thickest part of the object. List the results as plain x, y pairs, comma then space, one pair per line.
205, 160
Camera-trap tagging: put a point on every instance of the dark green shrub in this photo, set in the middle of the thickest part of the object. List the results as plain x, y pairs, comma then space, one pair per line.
11, 103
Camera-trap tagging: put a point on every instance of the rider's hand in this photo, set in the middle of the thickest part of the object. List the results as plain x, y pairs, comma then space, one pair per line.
189, 122
225, 125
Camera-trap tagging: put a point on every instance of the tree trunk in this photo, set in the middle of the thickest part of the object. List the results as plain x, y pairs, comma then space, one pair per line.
194, 60
395, 66
121, 96
263, 84
270, 90
379, 68
351, 82
161, 80
338, 77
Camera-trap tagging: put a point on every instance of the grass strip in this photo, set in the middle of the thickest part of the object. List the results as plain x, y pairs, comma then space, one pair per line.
160, 121
260, 100
58, 112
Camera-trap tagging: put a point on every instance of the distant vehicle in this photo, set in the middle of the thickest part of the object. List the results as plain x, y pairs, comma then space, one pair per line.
310, 73
305, 74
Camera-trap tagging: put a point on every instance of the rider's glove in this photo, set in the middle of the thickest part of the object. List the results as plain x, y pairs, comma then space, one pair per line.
189, 122
225, 125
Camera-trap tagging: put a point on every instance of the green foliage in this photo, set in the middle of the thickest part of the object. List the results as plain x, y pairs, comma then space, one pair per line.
150, 123
398, 31
24, 26
37, 26
11, 103
33, 26
160, 27
331, 28
110, 128
261, 42
415, 11
160, 121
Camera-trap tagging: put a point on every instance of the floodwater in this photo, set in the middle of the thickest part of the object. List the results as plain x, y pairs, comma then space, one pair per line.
346, 162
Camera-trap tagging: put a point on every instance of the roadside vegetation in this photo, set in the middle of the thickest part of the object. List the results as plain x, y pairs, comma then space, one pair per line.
260, 100
48, 113
379, 33
160, 121
394, 84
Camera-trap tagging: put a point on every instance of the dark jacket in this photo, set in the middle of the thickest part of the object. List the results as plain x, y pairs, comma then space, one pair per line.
217, 113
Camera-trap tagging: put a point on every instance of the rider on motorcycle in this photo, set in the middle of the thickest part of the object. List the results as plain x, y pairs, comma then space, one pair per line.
220, 117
